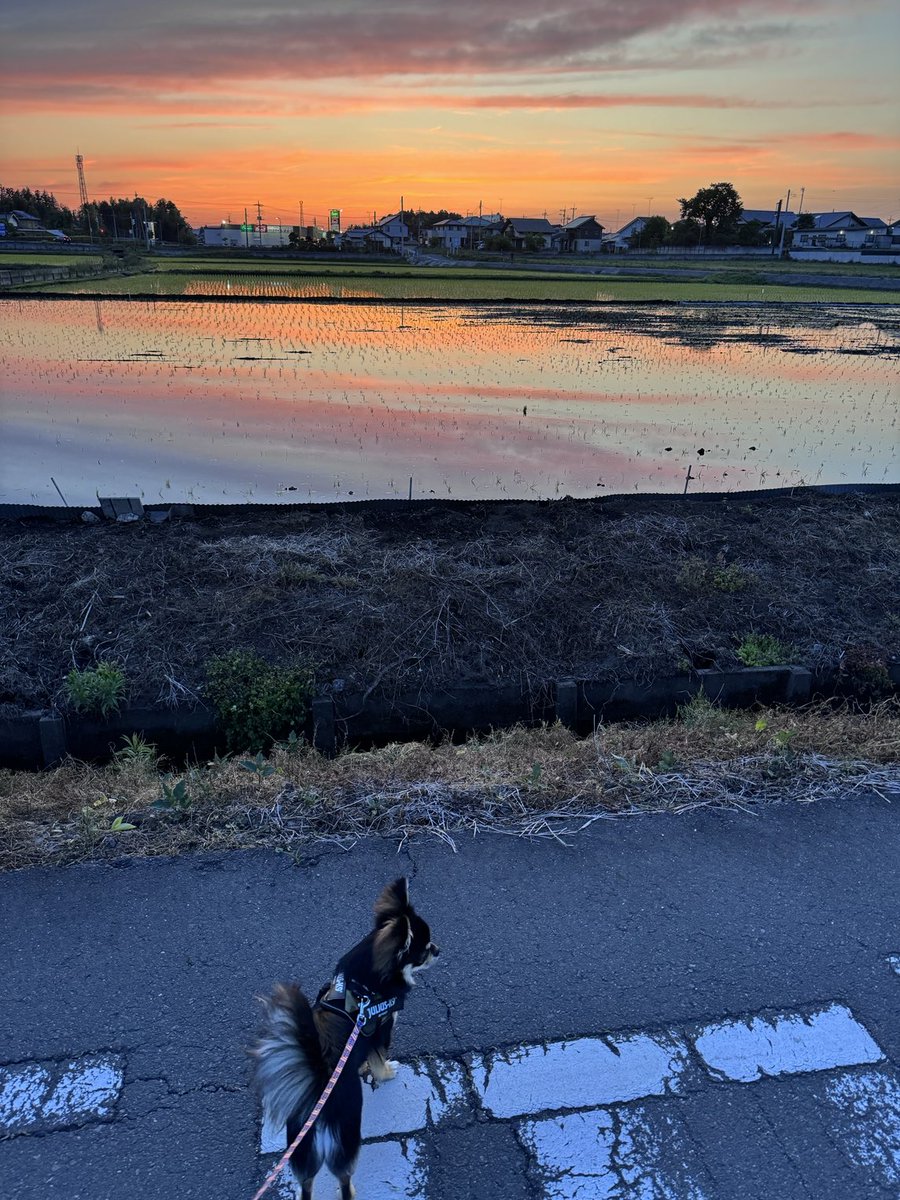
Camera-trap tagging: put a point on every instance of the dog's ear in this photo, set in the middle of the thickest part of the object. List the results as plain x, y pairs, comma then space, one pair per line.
393, 901
391, 941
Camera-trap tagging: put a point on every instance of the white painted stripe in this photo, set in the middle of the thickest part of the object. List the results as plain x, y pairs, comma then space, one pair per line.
390, 1171
22, 1091
894, 963
869, 1123
745, 1050
386, 1171
601, 1156
408, 1103
85, 1089
582, 1074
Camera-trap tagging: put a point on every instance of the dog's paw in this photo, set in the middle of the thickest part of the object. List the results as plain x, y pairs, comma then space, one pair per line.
384, 1070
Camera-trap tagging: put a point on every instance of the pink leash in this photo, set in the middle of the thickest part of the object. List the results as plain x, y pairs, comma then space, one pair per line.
311, 1119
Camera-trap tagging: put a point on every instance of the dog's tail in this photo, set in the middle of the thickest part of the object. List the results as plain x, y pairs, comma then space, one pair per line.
290, 1066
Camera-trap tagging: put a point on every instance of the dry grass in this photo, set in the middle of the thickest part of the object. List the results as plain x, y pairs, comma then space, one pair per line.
524, 782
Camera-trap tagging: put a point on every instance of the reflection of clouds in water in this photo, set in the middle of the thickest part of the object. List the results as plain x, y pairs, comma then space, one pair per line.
221, 398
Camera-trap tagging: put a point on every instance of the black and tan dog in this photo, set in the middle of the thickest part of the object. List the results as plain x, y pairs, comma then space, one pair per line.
302, 1042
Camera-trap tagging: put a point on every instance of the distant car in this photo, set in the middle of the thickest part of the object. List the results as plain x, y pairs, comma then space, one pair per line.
58, 235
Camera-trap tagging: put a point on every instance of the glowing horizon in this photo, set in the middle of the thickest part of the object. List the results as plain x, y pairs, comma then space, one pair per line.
602, 108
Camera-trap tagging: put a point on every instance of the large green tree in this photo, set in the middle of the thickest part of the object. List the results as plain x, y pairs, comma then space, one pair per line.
716, 209
655, 231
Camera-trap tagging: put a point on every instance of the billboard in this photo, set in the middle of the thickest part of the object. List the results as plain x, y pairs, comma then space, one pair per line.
334, 220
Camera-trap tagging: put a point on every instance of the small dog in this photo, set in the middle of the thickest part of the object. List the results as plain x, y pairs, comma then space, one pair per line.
301, 1043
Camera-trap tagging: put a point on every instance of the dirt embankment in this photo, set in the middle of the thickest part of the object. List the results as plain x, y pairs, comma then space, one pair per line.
380, 600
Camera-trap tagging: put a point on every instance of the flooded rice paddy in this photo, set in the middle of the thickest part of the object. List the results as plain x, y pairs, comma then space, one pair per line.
224, 402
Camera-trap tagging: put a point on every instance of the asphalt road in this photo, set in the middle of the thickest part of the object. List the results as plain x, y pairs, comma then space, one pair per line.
701, 1007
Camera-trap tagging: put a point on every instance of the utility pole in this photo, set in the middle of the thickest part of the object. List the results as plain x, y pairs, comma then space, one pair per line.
246, 230
302, 234
777, 225
784, 224
800, 207
402, 239
259, 224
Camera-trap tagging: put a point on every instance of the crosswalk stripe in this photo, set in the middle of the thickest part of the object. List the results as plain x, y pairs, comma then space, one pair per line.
745, 1050
42, 1096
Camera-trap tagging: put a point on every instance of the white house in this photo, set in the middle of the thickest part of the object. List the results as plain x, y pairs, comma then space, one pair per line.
460, 232
621, 240
390, 233
835, 231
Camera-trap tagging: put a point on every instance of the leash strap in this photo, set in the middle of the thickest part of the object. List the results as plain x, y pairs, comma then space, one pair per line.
311, 1119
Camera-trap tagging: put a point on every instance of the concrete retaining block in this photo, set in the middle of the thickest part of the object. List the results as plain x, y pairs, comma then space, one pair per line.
40, 739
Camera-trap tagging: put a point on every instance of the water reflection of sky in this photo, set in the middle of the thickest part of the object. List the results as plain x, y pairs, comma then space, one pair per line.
250, 401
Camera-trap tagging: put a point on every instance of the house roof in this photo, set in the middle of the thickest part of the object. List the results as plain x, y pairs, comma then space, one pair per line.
531, 225
767, 216
577, 222
839, 220
633, 226
874, 222
465, 222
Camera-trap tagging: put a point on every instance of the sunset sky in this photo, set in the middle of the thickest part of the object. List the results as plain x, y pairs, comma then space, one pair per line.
610, 107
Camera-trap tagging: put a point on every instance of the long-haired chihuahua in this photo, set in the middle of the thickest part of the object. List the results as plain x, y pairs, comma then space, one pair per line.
301, 1042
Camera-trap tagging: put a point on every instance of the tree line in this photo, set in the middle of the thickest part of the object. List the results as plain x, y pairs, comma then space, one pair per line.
122, 217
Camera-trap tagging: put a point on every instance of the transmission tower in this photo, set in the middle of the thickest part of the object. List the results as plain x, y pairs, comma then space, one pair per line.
82, 193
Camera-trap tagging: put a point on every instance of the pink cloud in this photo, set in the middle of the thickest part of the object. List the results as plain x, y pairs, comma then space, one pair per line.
170, 43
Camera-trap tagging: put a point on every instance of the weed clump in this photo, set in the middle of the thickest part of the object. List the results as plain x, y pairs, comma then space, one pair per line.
257, 703
97, 689
763, 650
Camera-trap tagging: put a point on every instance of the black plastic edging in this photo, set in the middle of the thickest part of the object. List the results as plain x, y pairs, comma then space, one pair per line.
39, 740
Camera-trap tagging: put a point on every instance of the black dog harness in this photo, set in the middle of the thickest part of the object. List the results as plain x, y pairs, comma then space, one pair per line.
351, 1000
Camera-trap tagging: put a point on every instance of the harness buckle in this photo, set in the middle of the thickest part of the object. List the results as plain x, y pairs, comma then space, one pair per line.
364, 1002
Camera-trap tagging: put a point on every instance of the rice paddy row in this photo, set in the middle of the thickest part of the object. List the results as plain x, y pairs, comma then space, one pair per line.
476, 286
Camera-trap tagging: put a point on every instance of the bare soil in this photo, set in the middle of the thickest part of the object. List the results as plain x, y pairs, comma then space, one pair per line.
378, 599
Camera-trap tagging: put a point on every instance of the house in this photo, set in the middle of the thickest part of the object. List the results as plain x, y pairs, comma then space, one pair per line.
523, 230
23, 224
391, 233
462, 232
581, 235
881, 235
834, 231
615, 242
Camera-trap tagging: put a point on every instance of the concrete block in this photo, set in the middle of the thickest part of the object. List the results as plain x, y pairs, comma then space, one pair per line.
567, 703
797, 685
324, 737
52, 731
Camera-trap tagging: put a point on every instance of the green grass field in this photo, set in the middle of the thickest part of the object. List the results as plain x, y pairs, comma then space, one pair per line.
457, 286
49, 259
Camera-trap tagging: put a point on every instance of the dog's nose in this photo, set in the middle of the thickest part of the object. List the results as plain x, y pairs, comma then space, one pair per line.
435, 950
